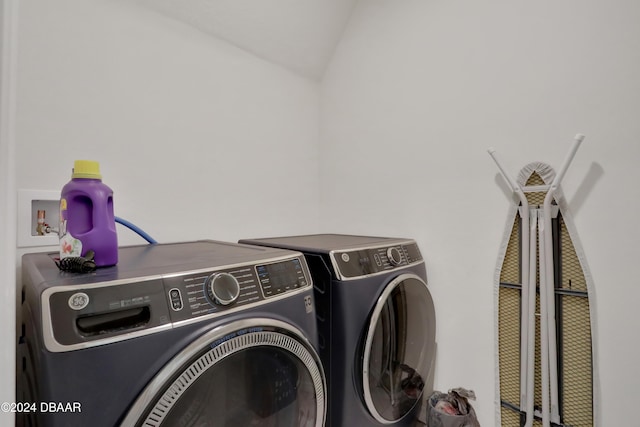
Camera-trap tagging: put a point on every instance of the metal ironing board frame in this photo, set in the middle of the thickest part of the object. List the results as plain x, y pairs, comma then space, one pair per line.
538, 222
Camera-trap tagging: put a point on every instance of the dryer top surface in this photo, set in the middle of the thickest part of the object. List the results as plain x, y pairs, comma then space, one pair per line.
325, 243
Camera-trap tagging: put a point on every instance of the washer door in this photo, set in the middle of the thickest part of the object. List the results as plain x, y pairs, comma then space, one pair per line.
256, 372
398, 350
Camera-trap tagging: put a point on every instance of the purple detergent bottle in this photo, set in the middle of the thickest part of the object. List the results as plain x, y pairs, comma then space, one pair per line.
87, 222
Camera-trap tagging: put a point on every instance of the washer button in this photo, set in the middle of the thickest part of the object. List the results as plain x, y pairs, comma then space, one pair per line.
224, 288
394, 255
176, 299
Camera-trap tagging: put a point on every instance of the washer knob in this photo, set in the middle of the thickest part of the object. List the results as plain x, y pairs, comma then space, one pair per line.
394, 255
223, 288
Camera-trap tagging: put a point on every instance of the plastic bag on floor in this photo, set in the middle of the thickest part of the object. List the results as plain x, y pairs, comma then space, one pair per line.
452, 409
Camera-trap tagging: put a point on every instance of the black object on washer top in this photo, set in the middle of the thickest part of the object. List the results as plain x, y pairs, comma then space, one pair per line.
352, 256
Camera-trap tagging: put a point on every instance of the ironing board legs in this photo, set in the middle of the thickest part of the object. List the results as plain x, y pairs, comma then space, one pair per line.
531, 320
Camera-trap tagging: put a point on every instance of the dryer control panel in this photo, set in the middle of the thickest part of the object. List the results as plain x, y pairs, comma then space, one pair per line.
356, 263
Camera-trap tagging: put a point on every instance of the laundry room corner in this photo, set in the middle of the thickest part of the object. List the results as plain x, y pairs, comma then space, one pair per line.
342, 118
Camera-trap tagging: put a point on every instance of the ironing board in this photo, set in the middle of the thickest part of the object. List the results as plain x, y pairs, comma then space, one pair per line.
545, 358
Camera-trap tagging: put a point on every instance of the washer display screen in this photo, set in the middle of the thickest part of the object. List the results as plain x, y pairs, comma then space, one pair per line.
279, 277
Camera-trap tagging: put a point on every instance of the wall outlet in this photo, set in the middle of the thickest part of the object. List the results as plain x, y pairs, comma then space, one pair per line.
34, 203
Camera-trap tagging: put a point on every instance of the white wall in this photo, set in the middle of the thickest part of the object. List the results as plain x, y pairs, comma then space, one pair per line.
7, 204
197, 138
416, 93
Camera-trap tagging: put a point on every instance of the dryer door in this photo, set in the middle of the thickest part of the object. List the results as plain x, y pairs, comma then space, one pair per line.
256, 372
399, 348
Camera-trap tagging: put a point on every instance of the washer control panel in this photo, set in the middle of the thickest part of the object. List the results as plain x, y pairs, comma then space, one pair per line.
354, 263
209, 292
156, 288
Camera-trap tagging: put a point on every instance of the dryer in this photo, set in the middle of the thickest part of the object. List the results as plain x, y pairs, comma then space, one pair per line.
186, 334
376, 324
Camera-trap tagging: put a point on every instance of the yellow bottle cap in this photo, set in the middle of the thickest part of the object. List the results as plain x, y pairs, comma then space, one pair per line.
86, 169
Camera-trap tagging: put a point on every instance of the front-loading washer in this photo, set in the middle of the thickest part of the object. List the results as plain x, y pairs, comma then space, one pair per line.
187, 334
376, 324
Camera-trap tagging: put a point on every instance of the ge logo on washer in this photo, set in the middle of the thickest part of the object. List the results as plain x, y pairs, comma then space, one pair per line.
78, 301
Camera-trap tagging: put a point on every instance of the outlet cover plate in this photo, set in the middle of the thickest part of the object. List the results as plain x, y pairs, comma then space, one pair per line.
29, 201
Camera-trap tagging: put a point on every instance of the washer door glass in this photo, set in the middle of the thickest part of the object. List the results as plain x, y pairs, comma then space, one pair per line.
399, 349
250, 377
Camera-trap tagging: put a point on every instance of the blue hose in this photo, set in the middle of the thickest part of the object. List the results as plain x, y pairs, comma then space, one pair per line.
142, 234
